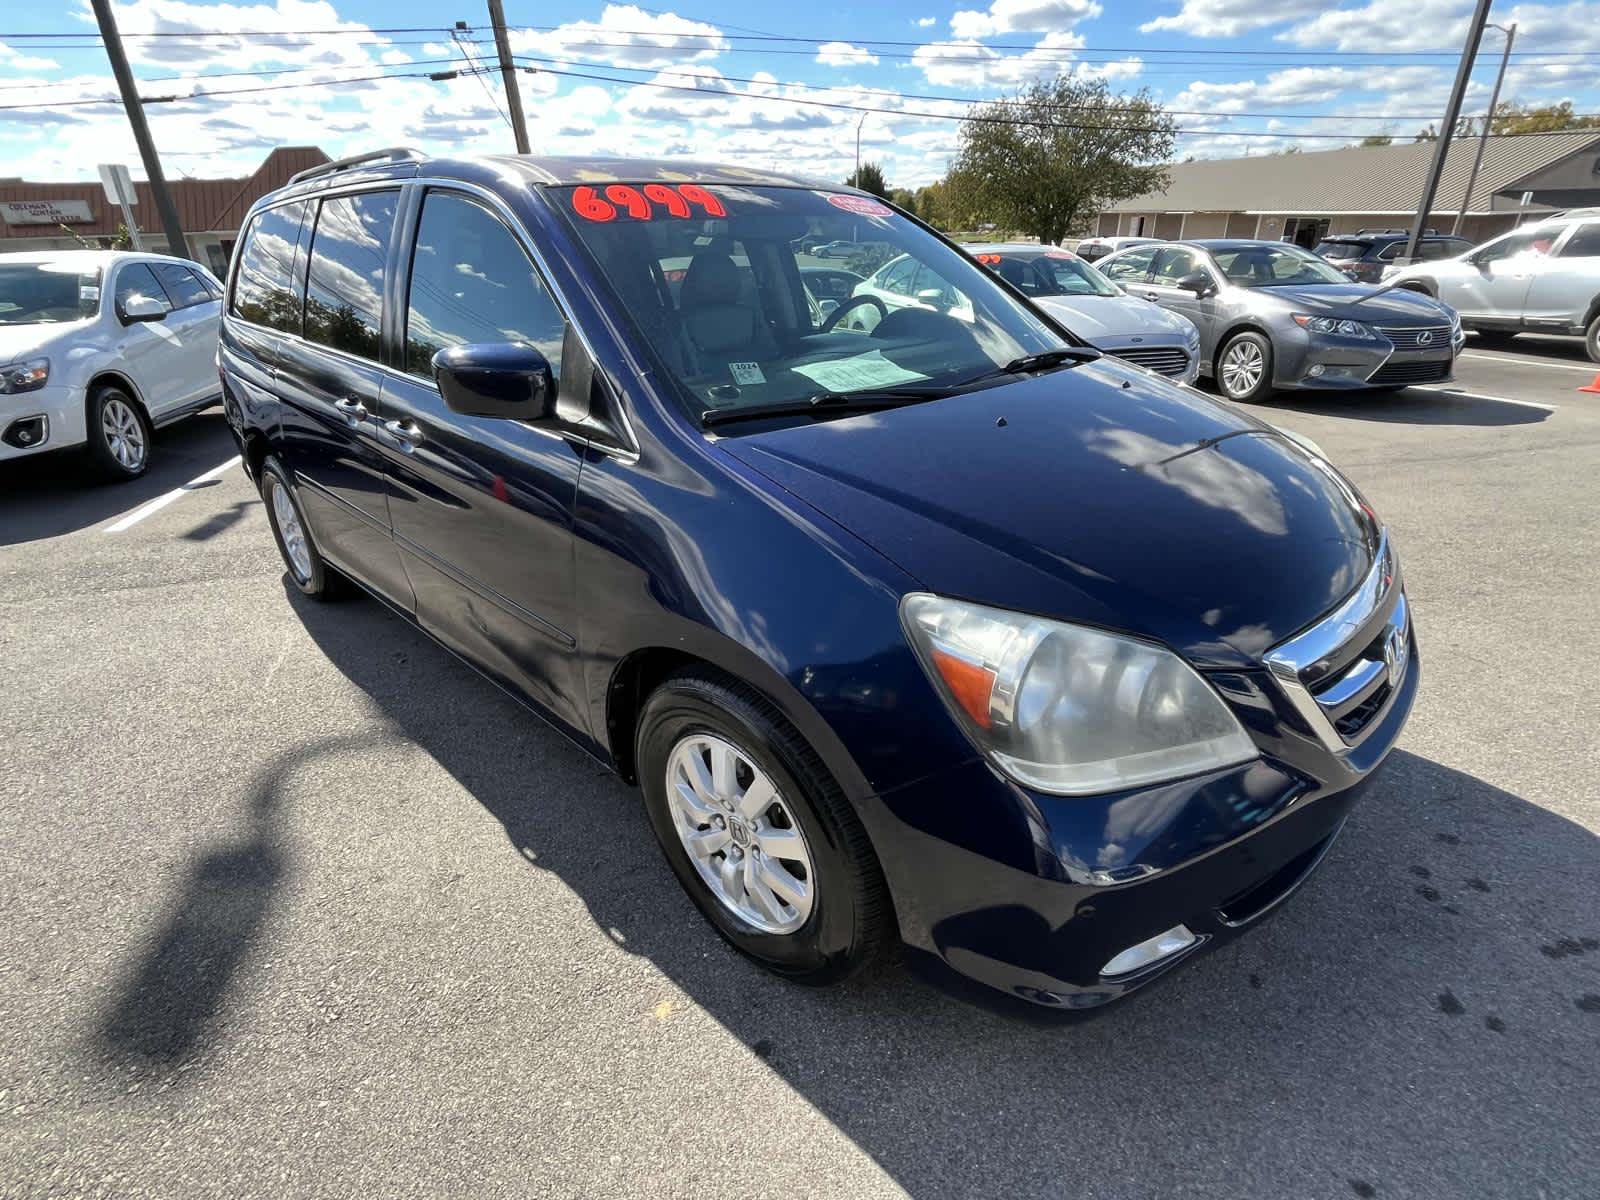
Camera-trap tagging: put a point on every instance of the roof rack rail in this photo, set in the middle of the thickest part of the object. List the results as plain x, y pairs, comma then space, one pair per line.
1428, 232
388, 154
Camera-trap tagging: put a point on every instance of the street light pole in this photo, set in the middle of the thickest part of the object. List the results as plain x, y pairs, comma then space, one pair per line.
859, 124
1488, 122
176, 243
1452, 114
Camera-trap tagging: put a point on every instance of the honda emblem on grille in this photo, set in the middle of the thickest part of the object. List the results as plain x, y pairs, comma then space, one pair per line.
1425, 338
1393, 656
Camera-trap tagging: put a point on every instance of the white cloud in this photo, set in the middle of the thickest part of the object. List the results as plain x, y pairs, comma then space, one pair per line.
626, 36
843, 54
16, 60
179, 16
927, 22
1022, 16
1229, 18
394, 58
971, 64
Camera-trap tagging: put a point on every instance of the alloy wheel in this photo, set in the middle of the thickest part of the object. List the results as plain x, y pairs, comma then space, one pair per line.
292, 532
1242, 368
124, 433
740, 833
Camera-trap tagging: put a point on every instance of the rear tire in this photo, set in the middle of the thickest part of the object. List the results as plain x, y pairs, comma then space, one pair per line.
844, 919
1591, 339
118, 433
307, 569
1243, 368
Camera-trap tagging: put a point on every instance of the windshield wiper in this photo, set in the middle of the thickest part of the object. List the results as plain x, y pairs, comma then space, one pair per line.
824, 403
1043, 361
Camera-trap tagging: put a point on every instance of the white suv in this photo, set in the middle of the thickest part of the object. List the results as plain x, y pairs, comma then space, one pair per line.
1541, 278
98, 348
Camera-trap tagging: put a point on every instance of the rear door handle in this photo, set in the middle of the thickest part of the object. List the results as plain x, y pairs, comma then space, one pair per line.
351, 410
407, 433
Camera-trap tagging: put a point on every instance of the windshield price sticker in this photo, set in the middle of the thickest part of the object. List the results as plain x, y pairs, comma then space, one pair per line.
746, 373
645, 203
865, 206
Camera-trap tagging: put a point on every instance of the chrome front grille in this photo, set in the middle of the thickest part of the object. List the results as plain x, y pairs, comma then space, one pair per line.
1164, 360
1417, 337
1341, 674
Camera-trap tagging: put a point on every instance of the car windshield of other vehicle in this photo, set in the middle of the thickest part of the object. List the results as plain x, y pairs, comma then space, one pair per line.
43, 293
1275, 266
1338, 250
714, 278
1053, 274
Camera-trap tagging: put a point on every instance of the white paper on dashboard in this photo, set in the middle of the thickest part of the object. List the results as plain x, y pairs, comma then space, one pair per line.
863, 371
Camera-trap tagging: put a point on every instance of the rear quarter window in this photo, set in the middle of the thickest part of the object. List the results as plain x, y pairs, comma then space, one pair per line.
265, 288
349, 264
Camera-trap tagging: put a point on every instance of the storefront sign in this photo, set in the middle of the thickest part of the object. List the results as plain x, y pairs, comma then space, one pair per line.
46, 212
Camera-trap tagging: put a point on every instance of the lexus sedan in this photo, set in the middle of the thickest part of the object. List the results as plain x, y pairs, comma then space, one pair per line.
1096, 309
1272, 315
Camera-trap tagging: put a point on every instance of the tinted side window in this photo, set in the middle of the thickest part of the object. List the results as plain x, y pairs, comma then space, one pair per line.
471, 281
265, 289
1584, 242
349, 256
181, 285
1135, 264
136, 279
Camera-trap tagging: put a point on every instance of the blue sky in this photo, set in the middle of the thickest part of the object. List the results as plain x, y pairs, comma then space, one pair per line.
762, 81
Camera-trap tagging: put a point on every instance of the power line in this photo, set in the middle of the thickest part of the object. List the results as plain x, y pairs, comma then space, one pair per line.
477, 70
265, 71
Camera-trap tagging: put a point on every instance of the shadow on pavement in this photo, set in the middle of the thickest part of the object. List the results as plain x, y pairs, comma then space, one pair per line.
1420, 1020
59, 493
1409, 407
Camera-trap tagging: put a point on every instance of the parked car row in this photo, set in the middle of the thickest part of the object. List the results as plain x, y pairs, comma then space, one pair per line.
100, 348
916, 619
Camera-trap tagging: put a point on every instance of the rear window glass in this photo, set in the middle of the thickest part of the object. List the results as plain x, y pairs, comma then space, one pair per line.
1338, 250
1584, 242
181, 285
265, 288
349, 258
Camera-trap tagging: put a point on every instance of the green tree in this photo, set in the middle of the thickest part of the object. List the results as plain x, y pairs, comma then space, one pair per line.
1377, 139
905, 198
931, 204
869, 178
1547, 118
1051, 158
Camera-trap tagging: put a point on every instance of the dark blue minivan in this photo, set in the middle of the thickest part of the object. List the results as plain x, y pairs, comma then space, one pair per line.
912, 617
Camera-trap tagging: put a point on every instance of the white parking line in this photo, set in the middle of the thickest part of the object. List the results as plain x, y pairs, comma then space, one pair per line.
1450, 391
1517, 360
160, 502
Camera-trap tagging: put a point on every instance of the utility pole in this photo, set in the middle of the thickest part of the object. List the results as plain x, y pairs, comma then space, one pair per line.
176, 243
856, 180
1480, 17
508, 73
1488, 122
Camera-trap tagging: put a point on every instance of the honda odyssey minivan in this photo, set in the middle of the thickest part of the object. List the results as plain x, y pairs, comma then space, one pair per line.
950, 631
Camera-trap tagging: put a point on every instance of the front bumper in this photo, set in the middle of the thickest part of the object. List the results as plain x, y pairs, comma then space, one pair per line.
61, 410
1327, 363
1032, 895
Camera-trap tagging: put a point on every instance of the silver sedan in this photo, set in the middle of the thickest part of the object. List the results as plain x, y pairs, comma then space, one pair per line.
1272, 315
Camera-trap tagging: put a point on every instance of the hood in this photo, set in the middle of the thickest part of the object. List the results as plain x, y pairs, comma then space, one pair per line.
29, 341
1377, 306
1096, 317
1097, 494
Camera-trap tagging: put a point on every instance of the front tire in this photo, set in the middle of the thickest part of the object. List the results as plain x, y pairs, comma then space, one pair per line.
307, 569
1591, 339
1244, 367
119, 434
757, 831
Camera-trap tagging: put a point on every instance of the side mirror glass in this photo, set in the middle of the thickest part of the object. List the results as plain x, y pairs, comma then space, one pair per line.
1197, 282
509, 380
138, 308
827, 307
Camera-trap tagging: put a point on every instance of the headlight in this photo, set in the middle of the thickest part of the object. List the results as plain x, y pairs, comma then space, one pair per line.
24, 376
1067, 709
1352, 329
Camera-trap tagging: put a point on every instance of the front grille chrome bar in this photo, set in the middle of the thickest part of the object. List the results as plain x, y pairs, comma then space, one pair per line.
1332, 690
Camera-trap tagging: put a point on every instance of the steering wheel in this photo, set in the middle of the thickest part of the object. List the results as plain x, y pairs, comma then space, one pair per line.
833, 317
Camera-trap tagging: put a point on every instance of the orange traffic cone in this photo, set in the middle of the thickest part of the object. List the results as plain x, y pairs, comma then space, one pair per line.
1592, 387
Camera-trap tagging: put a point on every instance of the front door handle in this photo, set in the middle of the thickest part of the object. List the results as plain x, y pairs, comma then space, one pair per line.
406, 433
351, 410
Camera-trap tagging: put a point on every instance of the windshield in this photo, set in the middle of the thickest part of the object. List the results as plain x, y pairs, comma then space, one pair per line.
1336, 250
1053, 273
43, 293
1268, 265
725, 285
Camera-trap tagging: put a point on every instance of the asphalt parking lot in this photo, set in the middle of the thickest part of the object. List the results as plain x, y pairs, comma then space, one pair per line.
296, 905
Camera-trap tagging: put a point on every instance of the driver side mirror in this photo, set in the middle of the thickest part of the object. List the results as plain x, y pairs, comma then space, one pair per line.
508, 380
934, 297
1197, 282
137, 308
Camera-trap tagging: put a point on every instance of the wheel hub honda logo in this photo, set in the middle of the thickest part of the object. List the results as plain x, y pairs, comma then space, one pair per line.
740, 833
